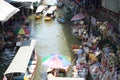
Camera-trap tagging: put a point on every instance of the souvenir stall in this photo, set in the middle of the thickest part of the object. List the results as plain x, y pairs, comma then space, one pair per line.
112, 68
108, 32
96, 71
79, 29
80, 69
108, 69
103, 30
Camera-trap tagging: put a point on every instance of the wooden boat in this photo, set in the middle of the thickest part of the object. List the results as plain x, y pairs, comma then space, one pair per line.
62, 72
50, 14
24, 64
61, 20
39, 11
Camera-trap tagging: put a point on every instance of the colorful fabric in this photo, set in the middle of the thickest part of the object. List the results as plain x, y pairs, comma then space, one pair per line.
56, 61
4, 78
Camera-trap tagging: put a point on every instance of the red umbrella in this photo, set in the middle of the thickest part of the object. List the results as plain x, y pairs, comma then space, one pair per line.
27, 31
78, 17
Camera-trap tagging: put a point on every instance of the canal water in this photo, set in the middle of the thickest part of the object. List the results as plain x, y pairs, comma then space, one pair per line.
52, 38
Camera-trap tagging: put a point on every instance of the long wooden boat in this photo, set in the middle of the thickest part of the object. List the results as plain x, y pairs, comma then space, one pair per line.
24, 64
50, 14
62, 72
39, 11
61, 20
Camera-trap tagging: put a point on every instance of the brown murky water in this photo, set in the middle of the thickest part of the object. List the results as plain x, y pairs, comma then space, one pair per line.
52, 38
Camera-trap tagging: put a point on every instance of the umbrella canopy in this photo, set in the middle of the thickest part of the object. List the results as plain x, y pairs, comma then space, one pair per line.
22, 31
78, 17
56, 61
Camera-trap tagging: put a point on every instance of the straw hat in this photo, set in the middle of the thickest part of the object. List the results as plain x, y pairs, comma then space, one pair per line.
95, 40
84, 32
81, 22
80, 46
97, 53
49, 69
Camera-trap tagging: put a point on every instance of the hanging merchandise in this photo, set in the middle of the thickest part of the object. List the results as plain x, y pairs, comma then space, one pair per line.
96, 71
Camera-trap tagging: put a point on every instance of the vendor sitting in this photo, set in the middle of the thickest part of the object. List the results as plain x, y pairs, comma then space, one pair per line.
91, 58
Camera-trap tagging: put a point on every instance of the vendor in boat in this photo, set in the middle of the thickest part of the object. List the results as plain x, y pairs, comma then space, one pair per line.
50, 70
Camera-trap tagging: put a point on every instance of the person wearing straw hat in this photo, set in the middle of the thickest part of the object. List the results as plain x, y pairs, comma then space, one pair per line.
49, 70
